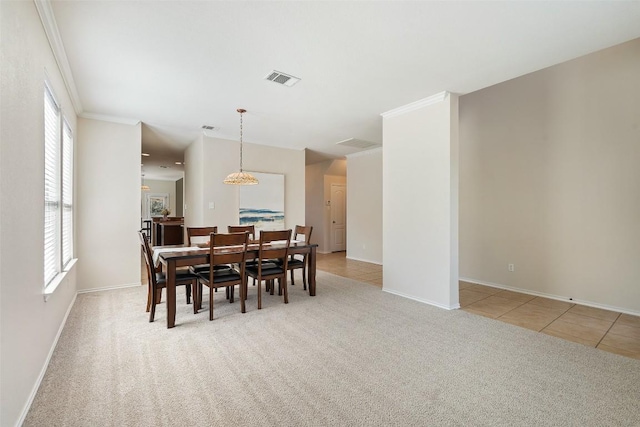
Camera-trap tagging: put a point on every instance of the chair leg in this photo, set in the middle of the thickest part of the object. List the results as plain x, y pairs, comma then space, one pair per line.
152, 314
243, 295
284, 289
292, 282
188, 292
231, 292
210, 303
194, 286
272, 284
304, 277
149, 297
259, 294
280, 285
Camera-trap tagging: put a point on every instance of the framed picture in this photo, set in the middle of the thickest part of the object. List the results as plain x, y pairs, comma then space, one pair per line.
262, 205
155, 203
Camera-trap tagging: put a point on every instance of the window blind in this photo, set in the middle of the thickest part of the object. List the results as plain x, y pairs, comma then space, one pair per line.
67, 194
51, 185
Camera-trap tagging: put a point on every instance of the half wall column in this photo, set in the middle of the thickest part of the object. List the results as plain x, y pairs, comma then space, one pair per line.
420, 200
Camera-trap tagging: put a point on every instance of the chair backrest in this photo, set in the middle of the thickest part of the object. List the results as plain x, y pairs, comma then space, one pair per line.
148, 258
302, 230
199, 232
251, 229
275, 251
235, 251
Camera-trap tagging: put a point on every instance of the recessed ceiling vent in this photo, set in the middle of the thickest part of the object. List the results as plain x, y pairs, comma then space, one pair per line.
207, 127
282, 78
357, 143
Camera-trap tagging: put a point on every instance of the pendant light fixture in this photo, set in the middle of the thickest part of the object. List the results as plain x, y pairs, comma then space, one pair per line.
144, 187
240, 178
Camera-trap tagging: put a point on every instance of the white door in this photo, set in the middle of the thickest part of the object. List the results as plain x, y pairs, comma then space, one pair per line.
338, 217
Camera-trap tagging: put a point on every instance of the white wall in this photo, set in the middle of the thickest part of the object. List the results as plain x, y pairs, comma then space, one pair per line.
213, 159
28, 325
194, 184
550, 181
364, 206
108, 207
420, 187
160, 186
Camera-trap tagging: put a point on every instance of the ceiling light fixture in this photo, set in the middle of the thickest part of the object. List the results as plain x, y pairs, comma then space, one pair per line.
240, 178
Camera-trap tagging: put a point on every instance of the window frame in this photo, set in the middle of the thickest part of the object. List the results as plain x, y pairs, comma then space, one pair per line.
58, 197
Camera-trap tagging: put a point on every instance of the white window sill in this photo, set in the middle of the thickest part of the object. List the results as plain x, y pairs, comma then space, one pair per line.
51, 287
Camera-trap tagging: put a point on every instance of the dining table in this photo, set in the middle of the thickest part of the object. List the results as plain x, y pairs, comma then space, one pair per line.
172, 257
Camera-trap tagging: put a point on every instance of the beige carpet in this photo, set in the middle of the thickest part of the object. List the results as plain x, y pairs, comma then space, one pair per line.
351, 356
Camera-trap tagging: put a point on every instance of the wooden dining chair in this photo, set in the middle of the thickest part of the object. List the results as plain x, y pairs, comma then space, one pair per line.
271, 263
251, 229
158, 280
231, 249
199, 232
203, 232
300, 261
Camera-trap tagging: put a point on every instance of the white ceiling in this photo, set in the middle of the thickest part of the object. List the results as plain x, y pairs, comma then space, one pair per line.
178, 65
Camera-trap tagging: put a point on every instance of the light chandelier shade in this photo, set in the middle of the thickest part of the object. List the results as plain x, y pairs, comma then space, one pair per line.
240, 178
144, 187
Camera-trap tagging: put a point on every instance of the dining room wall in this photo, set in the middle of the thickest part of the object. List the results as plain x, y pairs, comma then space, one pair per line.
549, 181
108, 204
194, 184
29, 325
364, 206
209, 160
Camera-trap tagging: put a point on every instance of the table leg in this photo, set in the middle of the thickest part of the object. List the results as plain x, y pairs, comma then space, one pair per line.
312, 272
171, 294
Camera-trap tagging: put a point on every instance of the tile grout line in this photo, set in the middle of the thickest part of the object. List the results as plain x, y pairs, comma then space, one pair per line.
512, 308
605, 334
561, 314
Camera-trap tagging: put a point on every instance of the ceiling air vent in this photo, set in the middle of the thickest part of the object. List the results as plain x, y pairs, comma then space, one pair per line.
357, 143
282, 78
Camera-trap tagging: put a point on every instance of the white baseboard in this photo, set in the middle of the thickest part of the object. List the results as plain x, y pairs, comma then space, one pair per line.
36, 386
109, 288
363, 260
552, 296
424, 301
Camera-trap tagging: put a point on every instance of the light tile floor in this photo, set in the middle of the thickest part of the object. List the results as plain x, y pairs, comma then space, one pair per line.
607, 330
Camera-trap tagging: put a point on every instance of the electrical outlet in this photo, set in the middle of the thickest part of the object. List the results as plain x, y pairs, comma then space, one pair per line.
511, 267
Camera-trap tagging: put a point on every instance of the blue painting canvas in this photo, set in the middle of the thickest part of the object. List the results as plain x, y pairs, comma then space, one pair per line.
262, 205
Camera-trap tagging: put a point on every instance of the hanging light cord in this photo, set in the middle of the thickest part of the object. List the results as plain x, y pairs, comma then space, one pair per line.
240, 110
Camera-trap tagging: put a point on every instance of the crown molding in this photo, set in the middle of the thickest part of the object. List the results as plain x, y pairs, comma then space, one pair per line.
368, 152
113, 119
433, 99
57, 47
